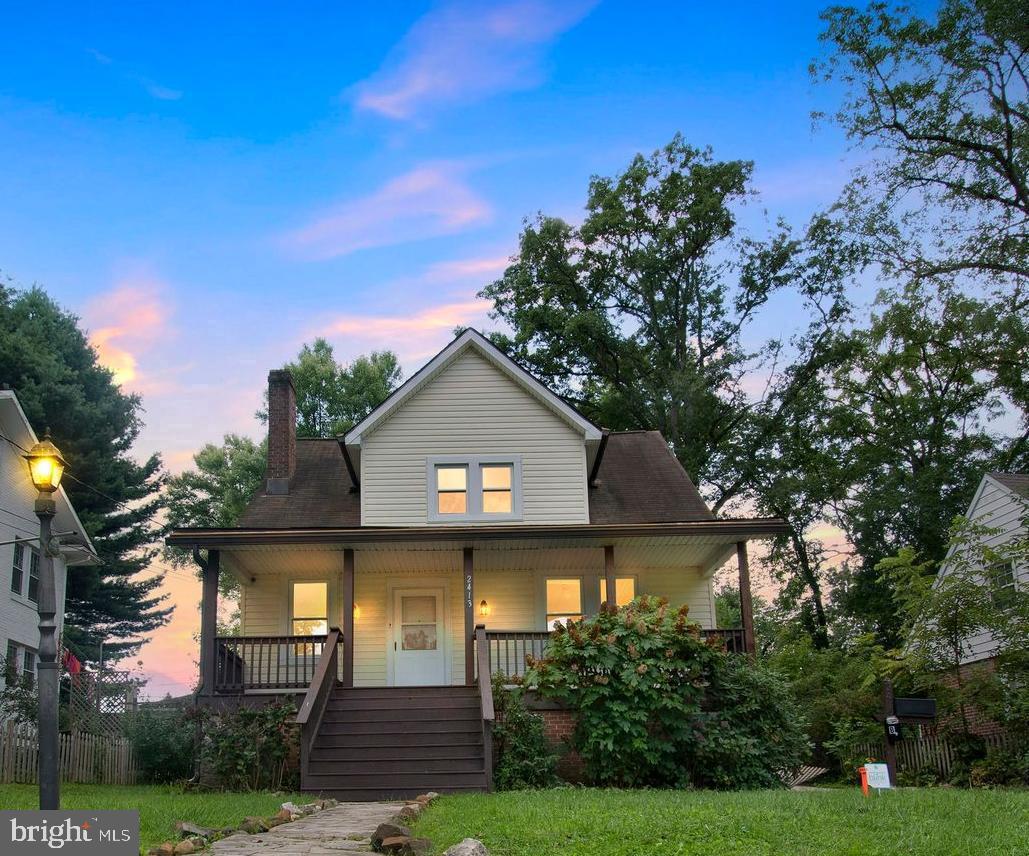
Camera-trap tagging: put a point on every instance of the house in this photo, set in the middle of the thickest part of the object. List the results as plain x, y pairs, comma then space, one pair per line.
385, 574
1001, 504
19, 544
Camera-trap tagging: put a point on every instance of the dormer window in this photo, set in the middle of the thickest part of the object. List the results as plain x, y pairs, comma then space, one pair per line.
474, 488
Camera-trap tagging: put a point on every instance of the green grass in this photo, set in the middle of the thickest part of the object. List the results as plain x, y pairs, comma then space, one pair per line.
583, 822
159, 807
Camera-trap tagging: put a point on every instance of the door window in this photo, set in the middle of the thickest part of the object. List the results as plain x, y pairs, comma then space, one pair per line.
418, 622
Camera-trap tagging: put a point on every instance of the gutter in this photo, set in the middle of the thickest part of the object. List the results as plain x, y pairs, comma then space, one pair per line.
741, 529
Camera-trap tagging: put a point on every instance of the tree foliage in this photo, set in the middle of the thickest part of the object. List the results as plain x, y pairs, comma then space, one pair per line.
333, 397
47, 360
941, 105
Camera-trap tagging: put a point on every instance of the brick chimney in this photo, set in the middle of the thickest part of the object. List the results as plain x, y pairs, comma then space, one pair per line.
282, 431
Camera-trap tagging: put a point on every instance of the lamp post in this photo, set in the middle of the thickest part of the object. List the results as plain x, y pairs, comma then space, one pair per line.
46, 466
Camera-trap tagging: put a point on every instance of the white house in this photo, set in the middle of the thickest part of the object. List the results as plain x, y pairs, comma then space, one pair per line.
1001, 503
19, 543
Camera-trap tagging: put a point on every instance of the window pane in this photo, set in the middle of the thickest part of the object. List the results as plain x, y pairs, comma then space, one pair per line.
419, 637
451, 478
564, 596
310, 627
496, 477
417, 609
625, 590
496, 501
33, 576
453, 503
310, 600
17, 574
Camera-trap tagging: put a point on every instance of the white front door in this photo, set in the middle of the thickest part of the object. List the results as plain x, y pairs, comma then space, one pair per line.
419, 638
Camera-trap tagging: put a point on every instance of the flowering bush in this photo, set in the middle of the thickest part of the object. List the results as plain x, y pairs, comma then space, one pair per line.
659, 706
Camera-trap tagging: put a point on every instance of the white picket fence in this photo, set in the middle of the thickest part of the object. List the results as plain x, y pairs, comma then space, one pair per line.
927, 752
85, 758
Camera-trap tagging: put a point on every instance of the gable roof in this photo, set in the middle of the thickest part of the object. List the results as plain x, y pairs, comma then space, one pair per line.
472, 339
638, 481
1015, 482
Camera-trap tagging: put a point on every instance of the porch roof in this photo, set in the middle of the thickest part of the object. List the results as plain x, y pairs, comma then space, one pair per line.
583, 534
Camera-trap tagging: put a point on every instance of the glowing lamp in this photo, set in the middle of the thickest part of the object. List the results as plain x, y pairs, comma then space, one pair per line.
357, 611
484, 608
46, 466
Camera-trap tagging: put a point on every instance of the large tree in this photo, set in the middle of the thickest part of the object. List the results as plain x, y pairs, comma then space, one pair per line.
939, 108
47, 360
332, 397
923, 405
648, 314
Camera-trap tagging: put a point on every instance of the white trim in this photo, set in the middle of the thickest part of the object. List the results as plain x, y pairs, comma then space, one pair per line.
414, 582
473, 488
471, 338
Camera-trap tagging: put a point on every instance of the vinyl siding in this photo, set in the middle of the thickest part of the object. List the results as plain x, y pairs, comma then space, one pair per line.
1000, 509
516, 597
472, 408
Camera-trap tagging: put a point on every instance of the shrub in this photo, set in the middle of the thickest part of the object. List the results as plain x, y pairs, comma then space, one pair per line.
1001, 767
163, 743
658, 706
252, 748
523, 758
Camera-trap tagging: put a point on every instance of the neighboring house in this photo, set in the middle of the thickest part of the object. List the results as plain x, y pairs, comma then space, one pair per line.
1001, 504
19, 544
472, 496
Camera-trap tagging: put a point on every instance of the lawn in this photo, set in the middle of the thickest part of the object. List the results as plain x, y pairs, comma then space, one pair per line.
571, 822
159, 807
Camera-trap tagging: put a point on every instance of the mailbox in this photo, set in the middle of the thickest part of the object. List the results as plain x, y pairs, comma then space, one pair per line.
915, 708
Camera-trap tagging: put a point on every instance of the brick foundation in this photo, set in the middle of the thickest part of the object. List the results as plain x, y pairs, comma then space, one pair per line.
559, 726
978, 722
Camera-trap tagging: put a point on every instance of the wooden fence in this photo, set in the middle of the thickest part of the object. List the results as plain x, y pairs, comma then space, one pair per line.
87, 758
927, 752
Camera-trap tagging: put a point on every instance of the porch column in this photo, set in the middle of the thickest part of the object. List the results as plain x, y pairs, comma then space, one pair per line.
209, 621
610, 590
348, 618
469, 617
746, 604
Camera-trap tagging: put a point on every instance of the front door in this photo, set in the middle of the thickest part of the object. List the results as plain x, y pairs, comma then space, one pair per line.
419, 636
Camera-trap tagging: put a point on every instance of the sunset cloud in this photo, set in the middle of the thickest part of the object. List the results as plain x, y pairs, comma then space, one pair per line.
125, 322
414, 336
461, 52
428, 201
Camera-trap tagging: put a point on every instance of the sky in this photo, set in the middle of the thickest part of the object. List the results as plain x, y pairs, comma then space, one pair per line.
209, 186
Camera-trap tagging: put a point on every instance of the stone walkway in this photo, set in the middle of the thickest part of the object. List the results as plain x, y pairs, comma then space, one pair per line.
345, 828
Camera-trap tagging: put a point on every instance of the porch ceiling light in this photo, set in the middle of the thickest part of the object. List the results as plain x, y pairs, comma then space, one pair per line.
46, 465
484, 608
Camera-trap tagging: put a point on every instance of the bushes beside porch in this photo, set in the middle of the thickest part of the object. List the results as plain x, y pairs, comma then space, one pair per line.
655, 705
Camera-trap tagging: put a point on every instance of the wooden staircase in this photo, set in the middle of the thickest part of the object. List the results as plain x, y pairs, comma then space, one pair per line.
397, 743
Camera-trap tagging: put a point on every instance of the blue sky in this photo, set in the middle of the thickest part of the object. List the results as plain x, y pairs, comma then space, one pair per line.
211, 185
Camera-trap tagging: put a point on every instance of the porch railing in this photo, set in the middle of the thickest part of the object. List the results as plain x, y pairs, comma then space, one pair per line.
266, 662
507, 649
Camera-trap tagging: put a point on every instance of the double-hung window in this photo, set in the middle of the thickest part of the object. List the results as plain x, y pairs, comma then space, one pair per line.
28, 665
1002, 581
11, 662
18, 568
26, 559
564, 600
625, 590
474, 488
310, 609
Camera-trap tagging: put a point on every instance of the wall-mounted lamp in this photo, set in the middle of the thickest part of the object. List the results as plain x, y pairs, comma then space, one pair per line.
357, 611
484, 608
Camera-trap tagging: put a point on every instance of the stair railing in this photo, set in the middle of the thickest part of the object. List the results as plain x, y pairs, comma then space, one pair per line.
485, 700
309, 718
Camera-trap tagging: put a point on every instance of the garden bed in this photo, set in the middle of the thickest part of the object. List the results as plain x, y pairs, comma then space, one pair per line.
586, 822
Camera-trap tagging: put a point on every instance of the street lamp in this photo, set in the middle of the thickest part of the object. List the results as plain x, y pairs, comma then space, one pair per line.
46, 466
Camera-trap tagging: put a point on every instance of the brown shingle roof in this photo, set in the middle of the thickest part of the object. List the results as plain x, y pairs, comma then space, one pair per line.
320, 493
1016, 482
639, 481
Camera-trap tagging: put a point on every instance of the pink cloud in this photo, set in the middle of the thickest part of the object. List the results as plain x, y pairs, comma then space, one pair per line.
413, 336
426, 202
126, 322
462, 51
485, 268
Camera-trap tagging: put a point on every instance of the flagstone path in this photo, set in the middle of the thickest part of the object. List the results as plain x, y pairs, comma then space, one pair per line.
345, 828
